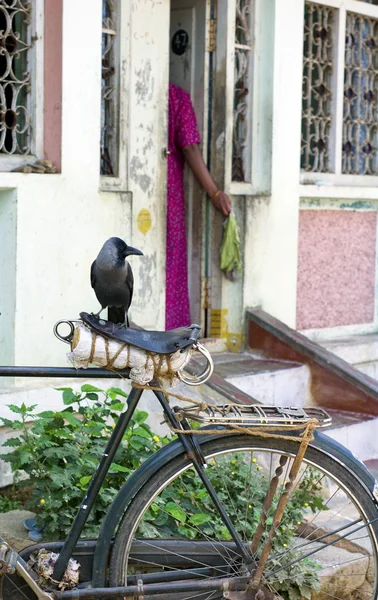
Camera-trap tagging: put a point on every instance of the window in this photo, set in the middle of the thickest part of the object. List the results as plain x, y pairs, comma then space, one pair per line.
109, 164
16, 82
318, 69
340, 88
241, 149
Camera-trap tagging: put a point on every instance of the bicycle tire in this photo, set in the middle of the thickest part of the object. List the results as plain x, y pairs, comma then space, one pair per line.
349, 484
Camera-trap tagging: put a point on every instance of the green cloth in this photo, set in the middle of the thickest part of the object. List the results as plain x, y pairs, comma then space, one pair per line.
230, 259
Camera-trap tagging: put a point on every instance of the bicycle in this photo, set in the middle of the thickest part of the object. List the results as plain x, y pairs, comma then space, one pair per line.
207, 516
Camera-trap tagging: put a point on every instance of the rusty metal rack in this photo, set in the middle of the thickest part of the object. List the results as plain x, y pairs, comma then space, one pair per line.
256, 414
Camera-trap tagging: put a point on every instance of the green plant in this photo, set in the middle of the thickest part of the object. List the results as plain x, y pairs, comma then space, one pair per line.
184, 508
60, 450
7, 504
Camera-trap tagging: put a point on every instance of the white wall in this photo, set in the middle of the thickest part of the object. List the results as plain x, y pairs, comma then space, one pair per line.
8, 223
63, 220
271, 242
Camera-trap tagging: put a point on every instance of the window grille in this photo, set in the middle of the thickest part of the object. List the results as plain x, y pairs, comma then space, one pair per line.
360, 126
242, 92
318, 69
110, 88
15, 77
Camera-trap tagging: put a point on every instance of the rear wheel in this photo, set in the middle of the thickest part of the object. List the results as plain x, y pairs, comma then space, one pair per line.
325, 546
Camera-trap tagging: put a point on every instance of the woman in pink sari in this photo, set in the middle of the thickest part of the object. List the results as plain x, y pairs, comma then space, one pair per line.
183, 146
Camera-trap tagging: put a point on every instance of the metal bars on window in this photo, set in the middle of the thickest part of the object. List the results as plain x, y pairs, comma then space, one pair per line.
110, 88
360, 124
340, 88
15, 78
241, 141
318, 69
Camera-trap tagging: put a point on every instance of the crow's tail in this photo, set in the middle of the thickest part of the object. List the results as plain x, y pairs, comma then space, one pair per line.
117, 315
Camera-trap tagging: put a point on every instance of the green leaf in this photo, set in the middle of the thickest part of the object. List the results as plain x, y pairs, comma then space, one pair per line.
12, 442
294, 593
117, 391
135, 444
148, 530
17, 409
225, 533
47, 414
24, 456
306, 592
12, 424
119, 468
201, 494
199, 519
176, 512
85, 480
69, 397
186, 532
71, 419
90, 388
142, 433
140, 416
92, 396
118, 406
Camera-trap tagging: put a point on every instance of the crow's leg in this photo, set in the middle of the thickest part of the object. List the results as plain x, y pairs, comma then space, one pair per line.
125, 323
97, 315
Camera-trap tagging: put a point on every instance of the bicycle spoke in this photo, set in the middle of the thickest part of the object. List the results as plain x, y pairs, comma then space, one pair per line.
322, 530
175, 554
293, 562
16, 587
208, 538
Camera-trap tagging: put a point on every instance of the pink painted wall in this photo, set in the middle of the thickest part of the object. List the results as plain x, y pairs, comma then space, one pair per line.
53, 81
336, 268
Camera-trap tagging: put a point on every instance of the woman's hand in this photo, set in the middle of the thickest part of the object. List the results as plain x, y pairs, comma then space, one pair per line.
195, 161
222, 202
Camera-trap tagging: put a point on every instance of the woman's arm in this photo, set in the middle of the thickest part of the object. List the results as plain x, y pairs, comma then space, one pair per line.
194, 158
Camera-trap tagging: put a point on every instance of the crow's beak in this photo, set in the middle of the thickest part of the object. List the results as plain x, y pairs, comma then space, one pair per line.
131, 250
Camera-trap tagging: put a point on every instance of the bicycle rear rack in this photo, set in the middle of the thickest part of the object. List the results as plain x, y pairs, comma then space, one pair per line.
256, 414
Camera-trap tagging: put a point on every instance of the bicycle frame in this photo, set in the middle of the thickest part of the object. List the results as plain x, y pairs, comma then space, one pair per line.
96, 582
191, 448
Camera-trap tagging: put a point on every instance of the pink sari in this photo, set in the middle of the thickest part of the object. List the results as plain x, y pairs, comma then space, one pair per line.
182, 131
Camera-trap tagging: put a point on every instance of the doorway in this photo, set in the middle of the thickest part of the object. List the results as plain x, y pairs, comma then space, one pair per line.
188, 68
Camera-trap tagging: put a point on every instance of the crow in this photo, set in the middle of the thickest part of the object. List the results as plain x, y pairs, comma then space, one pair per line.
112, 279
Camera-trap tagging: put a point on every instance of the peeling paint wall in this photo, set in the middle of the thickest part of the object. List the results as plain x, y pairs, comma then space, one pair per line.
62, 220
147, 162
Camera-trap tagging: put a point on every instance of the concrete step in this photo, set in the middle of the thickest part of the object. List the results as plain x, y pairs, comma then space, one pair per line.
285, 383
357, 432
277, 382
361, 351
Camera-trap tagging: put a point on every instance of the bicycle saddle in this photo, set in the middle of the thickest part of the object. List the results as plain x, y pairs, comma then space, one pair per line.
159, 342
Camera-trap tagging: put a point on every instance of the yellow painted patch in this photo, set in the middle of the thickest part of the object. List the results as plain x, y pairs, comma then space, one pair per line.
144, 220
219, 325
235, 342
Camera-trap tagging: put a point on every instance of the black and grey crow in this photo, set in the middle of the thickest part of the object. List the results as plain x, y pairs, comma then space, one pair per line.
112, 279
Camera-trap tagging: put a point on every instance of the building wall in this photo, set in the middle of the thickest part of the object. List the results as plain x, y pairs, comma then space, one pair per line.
59, 222
271, 242
311, 242
336, 268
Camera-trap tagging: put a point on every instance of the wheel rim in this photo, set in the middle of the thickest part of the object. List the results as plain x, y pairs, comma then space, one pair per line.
322, 550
